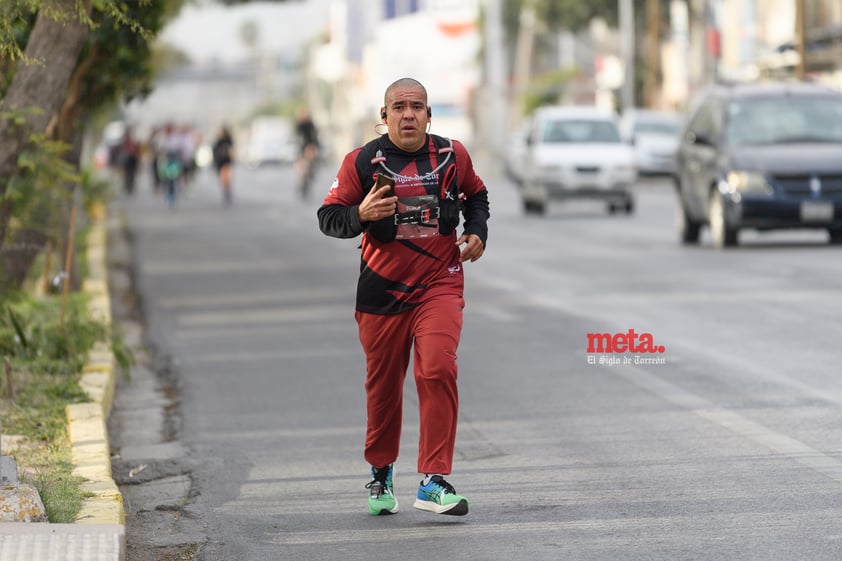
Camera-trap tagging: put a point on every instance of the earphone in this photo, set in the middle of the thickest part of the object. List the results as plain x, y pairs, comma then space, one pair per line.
383, 113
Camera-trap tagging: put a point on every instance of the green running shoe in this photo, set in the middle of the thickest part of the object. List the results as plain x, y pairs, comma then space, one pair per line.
440, 497
381, 497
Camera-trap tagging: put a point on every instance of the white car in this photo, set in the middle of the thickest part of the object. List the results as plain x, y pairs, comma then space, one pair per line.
654, 135
271, 140
515, 156
576, 152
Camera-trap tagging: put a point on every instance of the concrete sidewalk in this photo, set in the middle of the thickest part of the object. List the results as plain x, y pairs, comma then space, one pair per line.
99, 533
21, 541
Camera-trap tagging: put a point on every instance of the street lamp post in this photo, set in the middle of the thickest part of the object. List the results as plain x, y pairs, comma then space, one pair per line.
497, 124
626, 10
801, 42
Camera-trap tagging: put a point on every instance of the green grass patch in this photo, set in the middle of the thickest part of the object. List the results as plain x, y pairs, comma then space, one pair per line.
44, 346
49, 468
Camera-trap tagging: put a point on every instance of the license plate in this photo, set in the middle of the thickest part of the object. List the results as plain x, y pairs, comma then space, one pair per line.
816, 211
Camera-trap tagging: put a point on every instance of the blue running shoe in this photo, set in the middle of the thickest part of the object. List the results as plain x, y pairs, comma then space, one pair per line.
440, 497
381, 497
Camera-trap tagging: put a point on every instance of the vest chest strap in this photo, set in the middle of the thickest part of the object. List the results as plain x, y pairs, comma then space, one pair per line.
421, 217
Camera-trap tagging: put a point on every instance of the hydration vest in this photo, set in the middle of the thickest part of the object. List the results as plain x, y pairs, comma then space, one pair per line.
447, 190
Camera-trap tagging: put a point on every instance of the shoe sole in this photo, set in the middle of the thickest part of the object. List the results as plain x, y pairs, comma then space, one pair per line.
455, 509
384, 511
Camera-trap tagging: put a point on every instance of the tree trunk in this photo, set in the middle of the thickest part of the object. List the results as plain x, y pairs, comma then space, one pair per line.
652, 81
50, 220
523, 61
66, 124
58, 45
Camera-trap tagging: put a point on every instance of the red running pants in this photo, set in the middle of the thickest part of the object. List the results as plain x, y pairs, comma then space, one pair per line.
434, 327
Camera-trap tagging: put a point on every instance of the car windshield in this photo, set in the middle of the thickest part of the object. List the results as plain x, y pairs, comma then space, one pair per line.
580, 130
784, 120
656, 126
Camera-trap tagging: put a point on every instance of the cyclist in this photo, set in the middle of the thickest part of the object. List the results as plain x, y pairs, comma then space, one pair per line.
308, 137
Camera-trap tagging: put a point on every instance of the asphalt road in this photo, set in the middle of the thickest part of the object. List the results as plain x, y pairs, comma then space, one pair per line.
725, 446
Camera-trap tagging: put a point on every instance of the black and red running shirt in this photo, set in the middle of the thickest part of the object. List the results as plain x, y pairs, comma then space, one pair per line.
398, 275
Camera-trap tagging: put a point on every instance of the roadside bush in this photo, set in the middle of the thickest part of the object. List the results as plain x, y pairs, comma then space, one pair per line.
43, 350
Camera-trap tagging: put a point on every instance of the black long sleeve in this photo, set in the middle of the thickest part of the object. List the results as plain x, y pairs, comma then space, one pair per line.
476, 211
340, 221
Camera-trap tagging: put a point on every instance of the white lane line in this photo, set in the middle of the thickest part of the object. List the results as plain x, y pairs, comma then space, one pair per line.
298, 433
264, 317
273, 297
595, 529
426, 532
496, 313
777, 442
246, 356
188, 266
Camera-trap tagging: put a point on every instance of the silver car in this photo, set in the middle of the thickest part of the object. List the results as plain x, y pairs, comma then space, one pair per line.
576, 152
654, 136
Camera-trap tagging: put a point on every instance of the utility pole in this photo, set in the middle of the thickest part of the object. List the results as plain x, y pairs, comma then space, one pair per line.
627, 53
496, 120
697, 62
523, 59
653, 52
800, 39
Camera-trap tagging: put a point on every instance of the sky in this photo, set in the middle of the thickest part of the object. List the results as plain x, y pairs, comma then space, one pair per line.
206, 31
210, 33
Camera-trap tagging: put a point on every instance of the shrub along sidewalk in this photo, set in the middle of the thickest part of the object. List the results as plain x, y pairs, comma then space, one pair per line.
60, 358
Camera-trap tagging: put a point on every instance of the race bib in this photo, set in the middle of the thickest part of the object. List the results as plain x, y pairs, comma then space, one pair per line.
417, 217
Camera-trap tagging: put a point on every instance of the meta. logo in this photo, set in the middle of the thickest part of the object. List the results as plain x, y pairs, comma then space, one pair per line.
629, 342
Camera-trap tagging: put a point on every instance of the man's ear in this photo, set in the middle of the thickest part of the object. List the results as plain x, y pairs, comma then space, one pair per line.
383, 113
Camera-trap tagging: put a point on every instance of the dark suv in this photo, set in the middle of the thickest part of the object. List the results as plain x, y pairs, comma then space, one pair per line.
761, 156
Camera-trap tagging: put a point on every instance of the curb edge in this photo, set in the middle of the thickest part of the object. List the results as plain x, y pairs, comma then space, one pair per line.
87, 428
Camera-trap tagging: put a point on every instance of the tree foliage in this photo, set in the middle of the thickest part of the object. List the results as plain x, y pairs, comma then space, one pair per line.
558, 15
117, 60
61, 60
237, 2
553, 16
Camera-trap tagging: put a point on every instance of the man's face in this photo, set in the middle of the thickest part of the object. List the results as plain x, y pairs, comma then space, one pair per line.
406, 117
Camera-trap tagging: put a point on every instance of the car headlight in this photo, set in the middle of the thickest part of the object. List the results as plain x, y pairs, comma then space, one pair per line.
626, 169
747, 182
551, 170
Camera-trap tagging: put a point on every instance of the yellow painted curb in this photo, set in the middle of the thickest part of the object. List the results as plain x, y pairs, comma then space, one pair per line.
92, 461
99, 305
89, 441
87, 428
99, 377
100, 387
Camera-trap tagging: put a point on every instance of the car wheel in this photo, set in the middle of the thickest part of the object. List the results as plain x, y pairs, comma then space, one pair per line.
688, 230
533, 207
723, 234
835, 235
527, 206
627, 207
